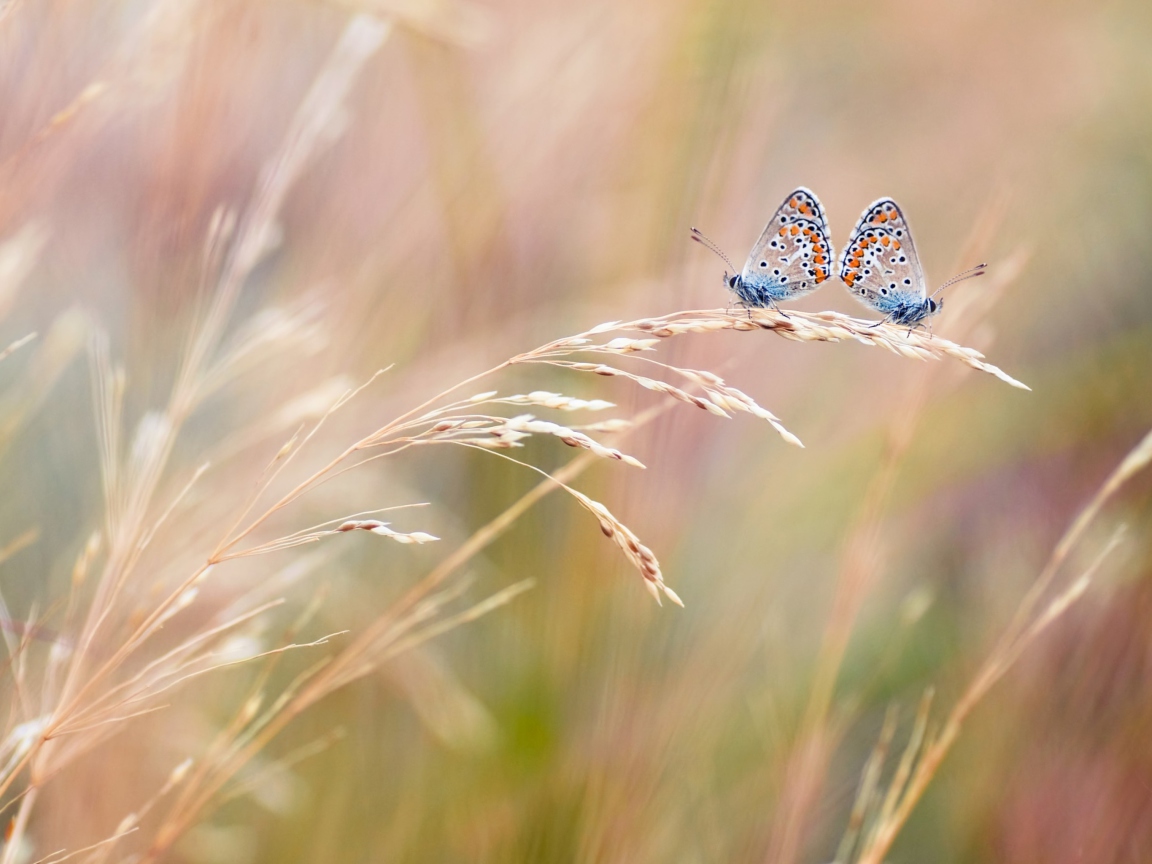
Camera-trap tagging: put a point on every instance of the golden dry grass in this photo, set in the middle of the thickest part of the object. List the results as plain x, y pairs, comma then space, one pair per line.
242, 209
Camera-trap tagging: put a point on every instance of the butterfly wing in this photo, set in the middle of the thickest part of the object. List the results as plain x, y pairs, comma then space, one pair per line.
793, 254
880, 265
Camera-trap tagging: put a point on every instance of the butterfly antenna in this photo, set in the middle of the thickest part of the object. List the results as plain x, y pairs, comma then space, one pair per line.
970, 273
704, 241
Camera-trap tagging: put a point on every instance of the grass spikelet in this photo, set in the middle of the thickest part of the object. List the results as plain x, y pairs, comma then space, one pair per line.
821, 327
382, 529
641, 556
528, 423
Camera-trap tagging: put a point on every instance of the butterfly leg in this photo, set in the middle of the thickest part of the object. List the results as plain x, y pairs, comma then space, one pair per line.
779, 311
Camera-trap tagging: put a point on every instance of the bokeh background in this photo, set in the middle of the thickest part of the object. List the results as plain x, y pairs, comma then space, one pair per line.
507, 173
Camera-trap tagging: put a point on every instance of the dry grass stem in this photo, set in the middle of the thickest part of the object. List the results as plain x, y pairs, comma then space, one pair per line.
1021, 633
75, 707
866, 794
822, 327
13, 347
157, 598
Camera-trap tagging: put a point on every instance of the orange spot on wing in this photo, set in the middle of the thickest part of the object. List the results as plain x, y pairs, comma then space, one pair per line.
791, 202
805, 209
882, 217
795, 230
884, 240
783, 231
895, 244
819, 259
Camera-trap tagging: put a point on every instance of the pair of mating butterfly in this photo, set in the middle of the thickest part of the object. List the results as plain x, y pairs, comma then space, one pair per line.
879, 265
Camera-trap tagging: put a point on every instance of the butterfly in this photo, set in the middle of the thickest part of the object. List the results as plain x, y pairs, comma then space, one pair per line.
791, 258
882, 270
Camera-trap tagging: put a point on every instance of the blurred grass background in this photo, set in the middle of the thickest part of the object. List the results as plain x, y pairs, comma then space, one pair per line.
511, 172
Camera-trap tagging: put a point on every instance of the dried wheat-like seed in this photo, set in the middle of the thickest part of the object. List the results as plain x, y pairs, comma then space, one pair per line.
722, 398
526, 423
607, 427
647, 383
13, 347
642, 558
498, 433
624, 345
501, 439
382, 529
729, 398
558, 401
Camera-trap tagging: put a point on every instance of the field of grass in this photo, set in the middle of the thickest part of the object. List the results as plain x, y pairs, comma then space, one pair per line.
389, 478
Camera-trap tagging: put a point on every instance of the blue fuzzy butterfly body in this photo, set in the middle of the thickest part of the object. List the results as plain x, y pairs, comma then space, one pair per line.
906, 308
